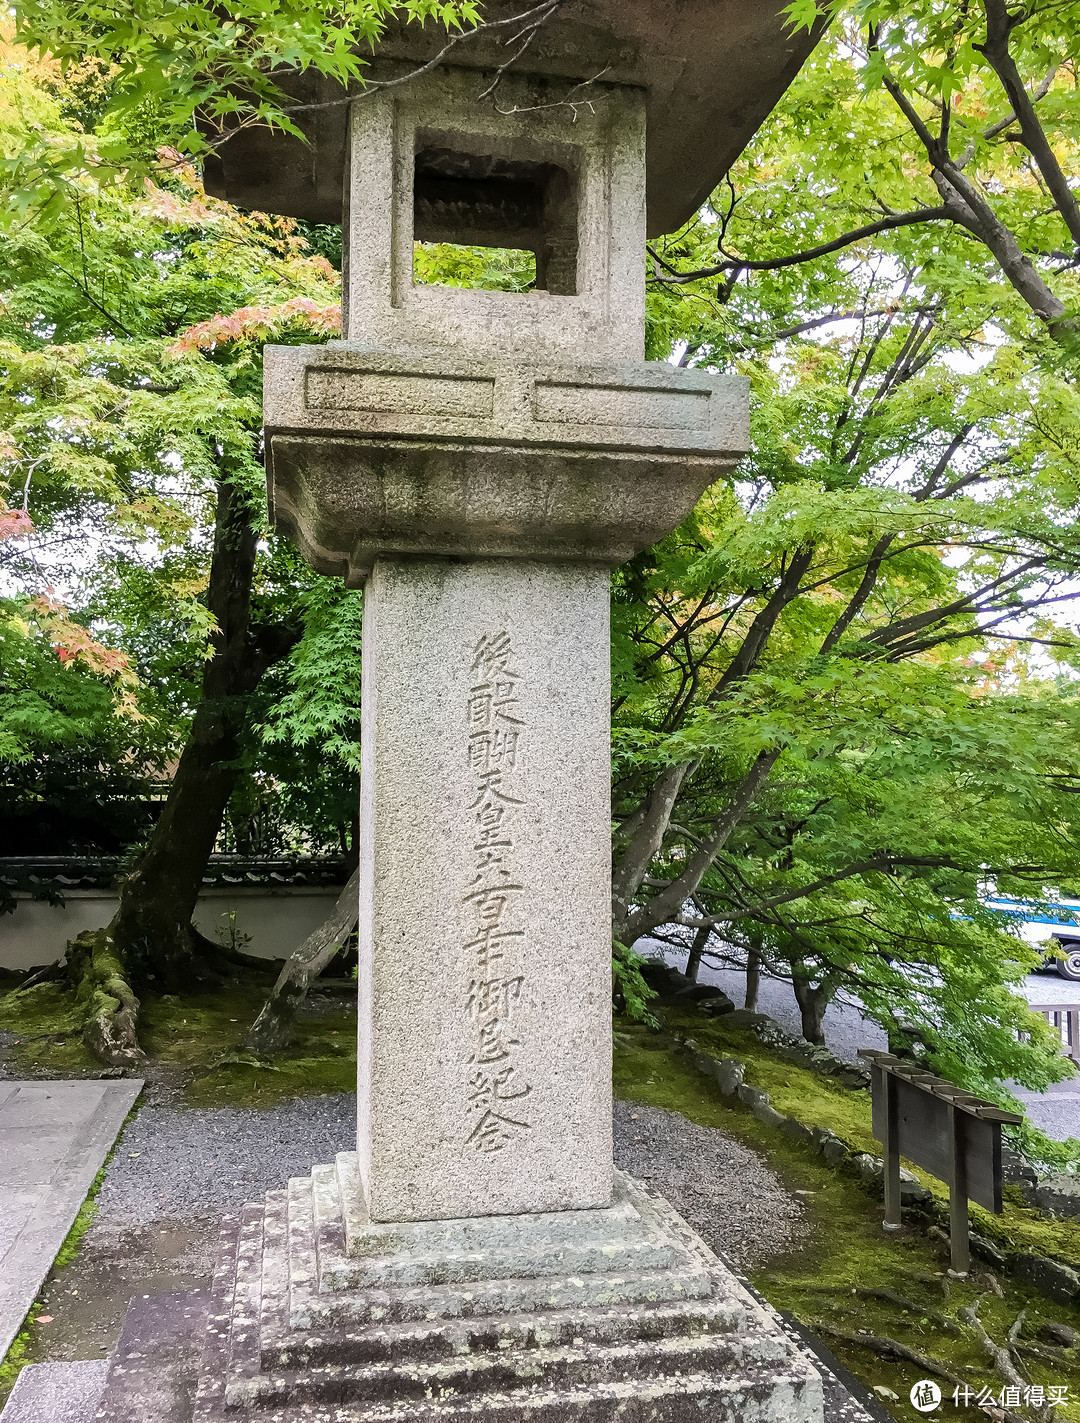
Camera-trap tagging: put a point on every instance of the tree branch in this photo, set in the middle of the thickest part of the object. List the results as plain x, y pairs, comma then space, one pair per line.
737, 264
999, 27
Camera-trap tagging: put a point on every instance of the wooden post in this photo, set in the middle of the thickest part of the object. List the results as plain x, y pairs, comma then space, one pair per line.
958, 1194
891, 1144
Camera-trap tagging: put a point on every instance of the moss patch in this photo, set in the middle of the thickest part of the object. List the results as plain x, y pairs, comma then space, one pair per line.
19, 1354
199, 1035
846, 1251
49, 1020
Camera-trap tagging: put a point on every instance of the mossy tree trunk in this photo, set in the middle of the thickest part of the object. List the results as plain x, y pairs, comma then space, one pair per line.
110, 1006
151, 937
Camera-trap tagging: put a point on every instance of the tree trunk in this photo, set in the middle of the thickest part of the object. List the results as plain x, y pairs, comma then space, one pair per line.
151, 936
651, 825
152, 929
667, 902
753, 979
697, 948
272, 1030
812, 999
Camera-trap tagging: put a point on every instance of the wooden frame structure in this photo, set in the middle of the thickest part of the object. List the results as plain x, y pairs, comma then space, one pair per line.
945, 1130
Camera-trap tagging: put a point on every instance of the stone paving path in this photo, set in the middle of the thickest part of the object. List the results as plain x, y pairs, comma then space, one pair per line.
54, 1137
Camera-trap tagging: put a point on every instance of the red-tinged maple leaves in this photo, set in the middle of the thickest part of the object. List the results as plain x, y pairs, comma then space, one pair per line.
73, 644
258, 323
14, 523
280, 236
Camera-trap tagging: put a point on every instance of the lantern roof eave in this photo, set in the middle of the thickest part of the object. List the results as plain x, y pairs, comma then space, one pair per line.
712, 69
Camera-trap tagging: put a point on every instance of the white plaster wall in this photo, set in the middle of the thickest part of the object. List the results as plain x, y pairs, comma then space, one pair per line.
276, 920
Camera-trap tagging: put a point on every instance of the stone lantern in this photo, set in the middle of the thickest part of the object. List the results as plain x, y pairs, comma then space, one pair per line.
479, 461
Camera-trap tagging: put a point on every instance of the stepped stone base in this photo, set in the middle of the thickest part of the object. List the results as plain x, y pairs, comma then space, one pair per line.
593, 1316
317, 1316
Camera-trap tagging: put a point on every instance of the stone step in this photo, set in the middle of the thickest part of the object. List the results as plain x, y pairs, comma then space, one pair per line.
309, 1307
210, 1395
358, 1308
302, 1264
624, 1220
760, 1397
385, 1272
274, 1319
156, 1360
628, 1236
244, 1338
327, 1220
440, 1339
583, 1366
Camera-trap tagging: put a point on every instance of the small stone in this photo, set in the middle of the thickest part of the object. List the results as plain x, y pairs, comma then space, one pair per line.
702, 993
769, 1115
744, 1018
870, 1168
986, 1248
912, 1189
752, 1096
729, 1075
797, 1132
834, 1150
883, 1392
716, 1007
1015, 1171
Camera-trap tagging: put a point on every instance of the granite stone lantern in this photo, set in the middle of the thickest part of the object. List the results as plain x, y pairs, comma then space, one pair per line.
479, 461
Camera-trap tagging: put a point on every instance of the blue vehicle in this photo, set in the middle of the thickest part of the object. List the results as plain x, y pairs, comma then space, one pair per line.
1056, 934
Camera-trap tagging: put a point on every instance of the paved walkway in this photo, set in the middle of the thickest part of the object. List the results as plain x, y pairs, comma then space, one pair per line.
54, 1137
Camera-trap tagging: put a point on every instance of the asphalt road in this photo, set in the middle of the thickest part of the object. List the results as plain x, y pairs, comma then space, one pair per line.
1056, 1111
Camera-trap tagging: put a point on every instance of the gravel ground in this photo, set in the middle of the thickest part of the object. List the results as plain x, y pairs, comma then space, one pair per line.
725, 1190
181, 1162
177, 1163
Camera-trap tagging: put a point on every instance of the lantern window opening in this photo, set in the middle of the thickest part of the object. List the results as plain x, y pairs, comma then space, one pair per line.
467, 199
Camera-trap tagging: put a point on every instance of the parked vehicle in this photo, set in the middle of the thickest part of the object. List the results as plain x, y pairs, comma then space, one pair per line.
1056, 933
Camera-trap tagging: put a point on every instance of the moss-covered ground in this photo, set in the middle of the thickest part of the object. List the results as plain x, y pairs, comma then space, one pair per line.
823, 1284
197, 1038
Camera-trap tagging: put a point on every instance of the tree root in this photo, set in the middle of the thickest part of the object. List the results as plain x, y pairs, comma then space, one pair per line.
1001, 1356
937, 1282
889, 1349
51, 973
272, 1030
1044, 1351
111, 1009
891, 1297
